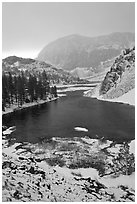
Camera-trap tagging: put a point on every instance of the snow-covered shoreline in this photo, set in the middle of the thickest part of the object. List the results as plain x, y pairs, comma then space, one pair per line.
15, 108
127, 98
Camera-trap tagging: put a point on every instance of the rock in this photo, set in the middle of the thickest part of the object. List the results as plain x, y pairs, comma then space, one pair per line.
38, 159
4, 128
22, 167
17, 195
7, 164
22, 158
49, 186
31, 170
31, 159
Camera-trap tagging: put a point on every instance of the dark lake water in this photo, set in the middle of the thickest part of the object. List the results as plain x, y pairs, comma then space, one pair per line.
59, 118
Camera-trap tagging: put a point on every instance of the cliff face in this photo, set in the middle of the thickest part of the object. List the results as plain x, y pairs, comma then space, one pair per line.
120, 80
121, 77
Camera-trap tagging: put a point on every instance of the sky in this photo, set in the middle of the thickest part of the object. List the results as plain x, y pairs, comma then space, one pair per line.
29, 26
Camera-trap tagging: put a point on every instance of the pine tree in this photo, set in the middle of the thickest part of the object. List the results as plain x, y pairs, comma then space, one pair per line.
10, 87
31, 88
19, 91
23, 86
15, 88
5, 91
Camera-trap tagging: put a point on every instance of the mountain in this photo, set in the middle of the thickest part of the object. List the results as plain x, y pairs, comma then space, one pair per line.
16, 65
119, 80
75, 51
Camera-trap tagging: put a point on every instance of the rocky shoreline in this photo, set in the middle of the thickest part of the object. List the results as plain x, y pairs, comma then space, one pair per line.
32, 173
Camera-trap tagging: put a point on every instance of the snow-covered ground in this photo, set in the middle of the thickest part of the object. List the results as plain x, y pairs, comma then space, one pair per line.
31, 172
125, 180
127, 98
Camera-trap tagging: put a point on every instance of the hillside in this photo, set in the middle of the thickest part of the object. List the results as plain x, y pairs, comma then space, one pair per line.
82, 72
16, 65
75, 51
90, 75
120, 80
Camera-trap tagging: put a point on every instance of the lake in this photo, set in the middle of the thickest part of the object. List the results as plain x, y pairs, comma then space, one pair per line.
112, 121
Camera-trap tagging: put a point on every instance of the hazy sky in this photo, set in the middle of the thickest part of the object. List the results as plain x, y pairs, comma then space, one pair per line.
28, 27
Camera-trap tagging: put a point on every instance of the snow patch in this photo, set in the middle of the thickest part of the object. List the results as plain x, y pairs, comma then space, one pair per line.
88, 140
84, 172
87, 172
132, 147
9, 130
114, 150
97, 142
125, 180
61, 95
63, 171
11, 151
81, 129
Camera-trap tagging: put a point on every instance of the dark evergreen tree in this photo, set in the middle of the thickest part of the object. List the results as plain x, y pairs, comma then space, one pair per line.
15, 88
5, 91
19, 91
23, 87
31, 88
10, 87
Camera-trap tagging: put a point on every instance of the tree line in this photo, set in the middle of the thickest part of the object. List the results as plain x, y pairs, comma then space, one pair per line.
20, 89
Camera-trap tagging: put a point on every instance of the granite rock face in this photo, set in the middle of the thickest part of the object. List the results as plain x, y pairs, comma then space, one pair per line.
121, 77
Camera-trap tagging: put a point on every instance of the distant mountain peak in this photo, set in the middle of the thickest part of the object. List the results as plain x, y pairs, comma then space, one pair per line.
80, 51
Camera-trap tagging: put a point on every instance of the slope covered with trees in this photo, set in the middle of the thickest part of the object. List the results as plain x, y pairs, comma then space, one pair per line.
26, 80
56, 76
19, 89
